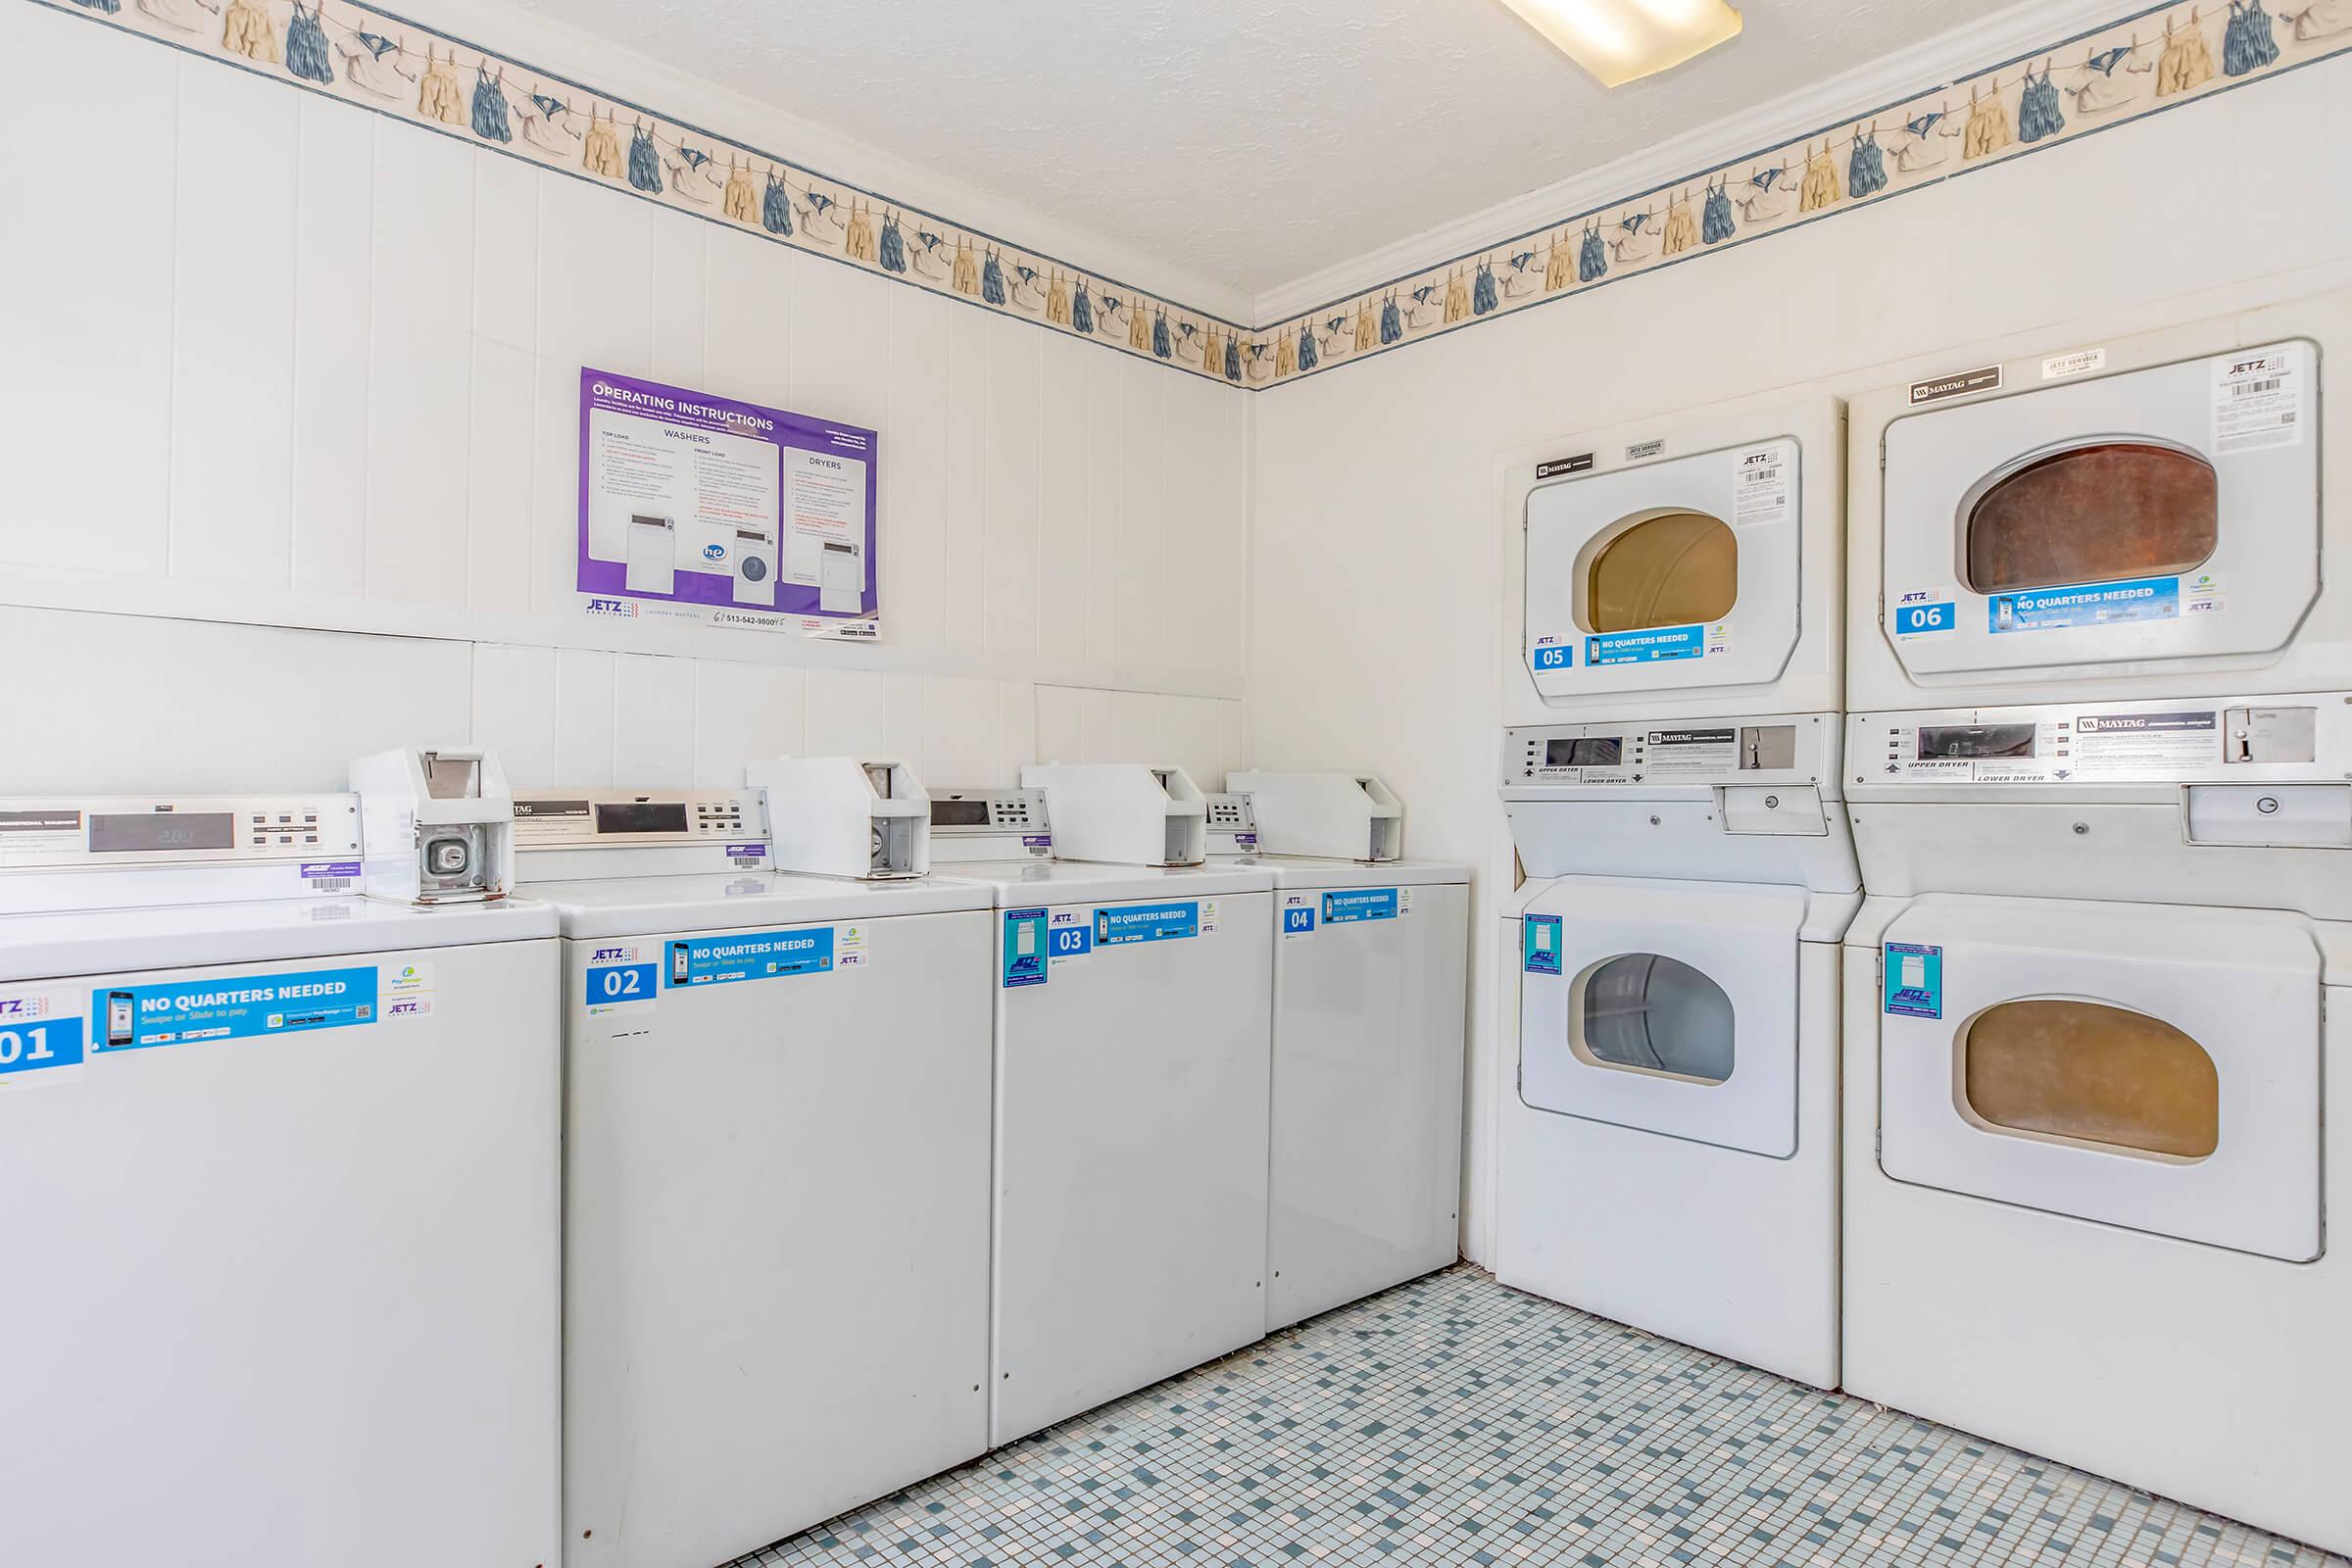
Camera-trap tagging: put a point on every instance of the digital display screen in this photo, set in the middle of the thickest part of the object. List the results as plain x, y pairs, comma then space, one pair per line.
1975, 740
641, 816
1592, 750
960, 813
146, 831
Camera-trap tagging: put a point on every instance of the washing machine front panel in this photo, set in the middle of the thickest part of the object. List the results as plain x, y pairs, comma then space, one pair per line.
256, 1220
1668, 1008
1667, 576
2155, 1067
2161, 518
1134, 1067
776, 1220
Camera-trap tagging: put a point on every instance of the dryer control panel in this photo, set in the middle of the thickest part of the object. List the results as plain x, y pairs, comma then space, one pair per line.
2300, 737
575, 819
1632, 754
990, 825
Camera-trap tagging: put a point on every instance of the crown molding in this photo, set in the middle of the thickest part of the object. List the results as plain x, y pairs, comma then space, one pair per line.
2022, 30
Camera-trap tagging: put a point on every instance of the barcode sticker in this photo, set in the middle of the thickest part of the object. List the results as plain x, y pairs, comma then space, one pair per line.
2258, 400
1760, 491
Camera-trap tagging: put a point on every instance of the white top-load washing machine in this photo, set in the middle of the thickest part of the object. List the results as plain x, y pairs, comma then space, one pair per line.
2139, 517
776, 1162
1369, 1000
2091, 1139
1684, 569
282, 1232
1669, 1156
1132, 1017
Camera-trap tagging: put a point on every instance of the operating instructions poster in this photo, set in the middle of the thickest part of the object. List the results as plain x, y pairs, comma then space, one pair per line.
712, 511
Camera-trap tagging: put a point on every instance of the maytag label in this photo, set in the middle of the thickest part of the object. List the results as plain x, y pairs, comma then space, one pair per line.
1958, 385
1555, 467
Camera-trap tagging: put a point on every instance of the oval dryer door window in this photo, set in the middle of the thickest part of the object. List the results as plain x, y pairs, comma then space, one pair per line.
1671, 569
1646, 1012
2106, 511
2090, 1073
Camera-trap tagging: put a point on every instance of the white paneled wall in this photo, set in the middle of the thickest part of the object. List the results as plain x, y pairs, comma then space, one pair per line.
274, 361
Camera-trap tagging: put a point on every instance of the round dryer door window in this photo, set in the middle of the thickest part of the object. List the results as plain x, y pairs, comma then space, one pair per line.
1646, 1012
2055, 1067
2103, 512
1668, 569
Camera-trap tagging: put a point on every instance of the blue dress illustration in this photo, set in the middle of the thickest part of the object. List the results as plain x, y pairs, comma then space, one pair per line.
1308, 354
1592, 257
1082, 309
2039, 113
1865, 170
992, 279
776, 204
1482, 292
1162, 344
2247, 45
490, 108
1715, 218
645, 163
306, 46
894, 245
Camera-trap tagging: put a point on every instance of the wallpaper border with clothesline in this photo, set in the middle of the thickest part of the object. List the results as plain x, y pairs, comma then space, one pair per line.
2150, 61
381, 61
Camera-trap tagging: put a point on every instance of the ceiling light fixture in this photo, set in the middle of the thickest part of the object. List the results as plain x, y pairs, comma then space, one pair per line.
1620, 40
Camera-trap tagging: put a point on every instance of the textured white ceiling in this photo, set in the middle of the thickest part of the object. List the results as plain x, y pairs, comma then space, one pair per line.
1252, 142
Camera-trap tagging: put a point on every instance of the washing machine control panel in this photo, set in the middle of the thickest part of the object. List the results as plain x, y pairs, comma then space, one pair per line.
94, 832
2302, 737
989, 825
1779, 748
1232, 826
635, 818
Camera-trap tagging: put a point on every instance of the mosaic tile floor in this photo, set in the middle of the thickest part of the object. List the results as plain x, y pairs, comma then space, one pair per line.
1454, 1421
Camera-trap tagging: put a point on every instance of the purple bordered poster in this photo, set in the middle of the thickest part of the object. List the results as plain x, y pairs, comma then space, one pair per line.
702, 509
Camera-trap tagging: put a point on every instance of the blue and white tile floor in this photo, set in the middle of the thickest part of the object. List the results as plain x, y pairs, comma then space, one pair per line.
1454, 1421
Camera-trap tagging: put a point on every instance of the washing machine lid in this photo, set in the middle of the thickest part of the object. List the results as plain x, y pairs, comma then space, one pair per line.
1306, 871
637, 906
1668, 1007
1025, 882
39, 947
2151, 1066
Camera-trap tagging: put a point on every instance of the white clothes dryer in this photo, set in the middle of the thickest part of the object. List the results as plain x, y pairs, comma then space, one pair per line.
1132, 1021
282, 1227
2142, 518
1678, 568
776, 1169
2093, 1143
1370, 999
1669, 1157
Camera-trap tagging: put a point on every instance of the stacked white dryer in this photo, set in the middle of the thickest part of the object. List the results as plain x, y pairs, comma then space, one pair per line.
1364, 1174
2097, 760
1671, 777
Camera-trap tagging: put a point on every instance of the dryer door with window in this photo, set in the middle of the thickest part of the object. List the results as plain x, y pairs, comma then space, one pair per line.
1666, 576
1673, 1009
2153, 1066
2167, 514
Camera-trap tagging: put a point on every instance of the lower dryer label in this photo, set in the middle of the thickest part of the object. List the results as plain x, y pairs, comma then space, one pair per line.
1146, 922
41, 1038
1912, 977
1539, 944
747, 955
1342, 907
1024, 959
232, 1008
